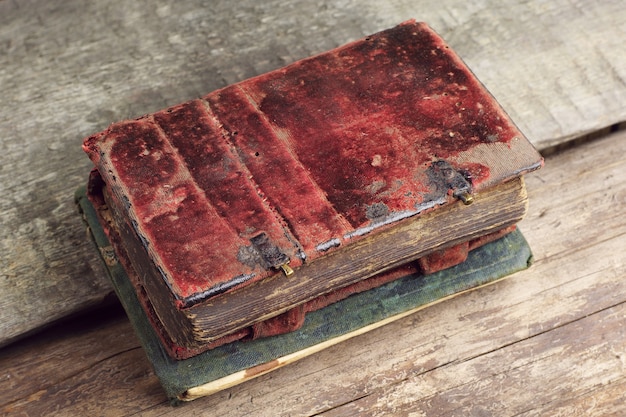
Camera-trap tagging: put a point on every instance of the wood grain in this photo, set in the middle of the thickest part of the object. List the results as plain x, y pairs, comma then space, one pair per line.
68, 69
550, 340
504, 382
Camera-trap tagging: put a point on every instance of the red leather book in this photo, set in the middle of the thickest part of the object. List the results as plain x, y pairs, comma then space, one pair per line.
262, 196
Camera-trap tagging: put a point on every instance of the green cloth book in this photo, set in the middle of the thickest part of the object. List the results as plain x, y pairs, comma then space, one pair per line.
236, 362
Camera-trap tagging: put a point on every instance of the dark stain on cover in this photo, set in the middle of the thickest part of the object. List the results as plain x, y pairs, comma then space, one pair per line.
270, 254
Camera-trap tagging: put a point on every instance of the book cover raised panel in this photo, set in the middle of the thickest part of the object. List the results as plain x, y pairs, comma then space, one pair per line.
288, 166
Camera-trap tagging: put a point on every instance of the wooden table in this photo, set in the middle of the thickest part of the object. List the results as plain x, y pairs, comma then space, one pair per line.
548, 341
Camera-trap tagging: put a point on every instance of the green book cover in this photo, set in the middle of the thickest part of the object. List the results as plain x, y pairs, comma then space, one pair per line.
231, 364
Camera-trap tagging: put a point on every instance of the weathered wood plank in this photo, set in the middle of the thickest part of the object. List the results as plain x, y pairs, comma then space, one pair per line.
549, 340
530, 377
68, 69
69, 350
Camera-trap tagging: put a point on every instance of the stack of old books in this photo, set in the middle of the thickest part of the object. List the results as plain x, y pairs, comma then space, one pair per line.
283, 214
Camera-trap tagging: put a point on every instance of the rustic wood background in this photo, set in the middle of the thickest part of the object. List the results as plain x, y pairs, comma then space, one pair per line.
549, 341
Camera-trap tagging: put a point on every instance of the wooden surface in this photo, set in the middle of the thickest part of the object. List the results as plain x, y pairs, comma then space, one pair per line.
548, 341
70, 68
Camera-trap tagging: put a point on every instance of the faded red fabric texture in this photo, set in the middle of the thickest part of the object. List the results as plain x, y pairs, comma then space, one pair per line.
315, 155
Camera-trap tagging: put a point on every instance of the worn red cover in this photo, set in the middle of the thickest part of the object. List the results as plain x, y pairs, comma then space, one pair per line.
295, 163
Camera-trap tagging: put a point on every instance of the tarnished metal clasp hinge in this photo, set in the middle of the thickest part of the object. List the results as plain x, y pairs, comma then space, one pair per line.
286, 269
446, 176
465, 197
270, 254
